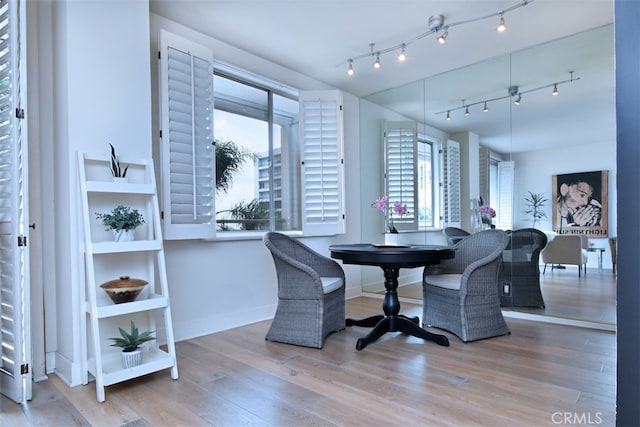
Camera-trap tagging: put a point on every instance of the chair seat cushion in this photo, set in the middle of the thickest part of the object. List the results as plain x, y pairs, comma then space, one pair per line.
330, 284
447, 281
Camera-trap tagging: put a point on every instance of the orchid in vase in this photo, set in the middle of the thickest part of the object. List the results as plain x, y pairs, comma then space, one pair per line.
384, 206
487, 213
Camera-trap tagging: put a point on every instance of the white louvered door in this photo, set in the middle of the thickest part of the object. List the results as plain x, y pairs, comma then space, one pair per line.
187, 152
15, 375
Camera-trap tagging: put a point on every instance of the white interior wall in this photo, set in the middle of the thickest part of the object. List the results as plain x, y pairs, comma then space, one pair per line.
210, 285
101, 93
534, 171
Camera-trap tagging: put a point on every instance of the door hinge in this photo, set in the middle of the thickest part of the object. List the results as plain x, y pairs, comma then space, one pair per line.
24, 369
20, 113
22, 241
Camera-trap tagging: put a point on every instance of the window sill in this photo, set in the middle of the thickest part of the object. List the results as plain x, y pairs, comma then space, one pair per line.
230, 236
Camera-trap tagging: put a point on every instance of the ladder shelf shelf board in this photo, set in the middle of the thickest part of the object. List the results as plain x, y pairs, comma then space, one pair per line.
145, 255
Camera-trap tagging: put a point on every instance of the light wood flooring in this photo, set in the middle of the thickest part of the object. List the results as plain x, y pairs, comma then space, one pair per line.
590, 297
236, 378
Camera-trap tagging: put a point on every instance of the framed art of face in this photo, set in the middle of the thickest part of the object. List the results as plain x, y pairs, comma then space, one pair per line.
580, 203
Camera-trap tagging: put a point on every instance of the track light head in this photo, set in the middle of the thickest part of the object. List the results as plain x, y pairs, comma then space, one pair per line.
350, 71
402, 56
442, 38
518, 99
377, 64
486, 108
466, 111
555, 89
448, 115
502, 27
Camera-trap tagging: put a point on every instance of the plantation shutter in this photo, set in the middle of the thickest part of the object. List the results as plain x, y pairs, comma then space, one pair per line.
483, 164
452, 207
15, 344
401, 166
187, 150
321, 133
504, 210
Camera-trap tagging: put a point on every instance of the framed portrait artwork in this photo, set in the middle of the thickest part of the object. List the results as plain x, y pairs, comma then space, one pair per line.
580, 203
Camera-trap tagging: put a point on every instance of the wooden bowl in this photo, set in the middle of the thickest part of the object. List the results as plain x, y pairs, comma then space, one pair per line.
124, 289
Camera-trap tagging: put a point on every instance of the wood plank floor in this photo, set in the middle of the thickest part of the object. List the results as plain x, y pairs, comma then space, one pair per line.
236, 378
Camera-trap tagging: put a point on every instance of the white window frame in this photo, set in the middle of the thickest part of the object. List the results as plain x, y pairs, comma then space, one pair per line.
322, 159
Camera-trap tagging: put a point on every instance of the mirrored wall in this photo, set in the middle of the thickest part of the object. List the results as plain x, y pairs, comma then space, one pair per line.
544, 135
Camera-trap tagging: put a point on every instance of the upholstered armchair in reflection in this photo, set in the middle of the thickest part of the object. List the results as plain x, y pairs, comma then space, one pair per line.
519, 284
570, 249
311, 293
460, 295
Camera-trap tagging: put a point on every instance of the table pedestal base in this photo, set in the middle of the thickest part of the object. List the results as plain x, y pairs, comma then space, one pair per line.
391, 321
382, 324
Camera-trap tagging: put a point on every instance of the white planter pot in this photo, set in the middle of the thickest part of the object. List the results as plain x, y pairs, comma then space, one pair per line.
122, 235
131, 358
391, 239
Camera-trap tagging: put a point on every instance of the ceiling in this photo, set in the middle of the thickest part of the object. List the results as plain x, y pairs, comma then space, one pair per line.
317, 37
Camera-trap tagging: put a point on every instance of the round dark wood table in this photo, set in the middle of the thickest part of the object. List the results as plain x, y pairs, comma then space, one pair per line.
391, 258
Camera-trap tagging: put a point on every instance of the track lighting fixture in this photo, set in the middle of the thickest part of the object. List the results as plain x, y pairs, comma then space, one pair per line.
402, 56
502, 27
437, 26
350, 70
513, 92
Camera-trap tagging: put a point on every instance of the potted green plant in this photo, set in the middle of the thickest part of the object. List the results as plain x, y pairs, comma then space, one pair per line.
534, 204
116, 168
130, 343
122, 220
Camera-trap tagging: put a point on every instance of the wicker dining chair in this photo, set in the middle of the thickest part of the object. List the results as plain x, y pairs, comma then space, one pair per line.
454, 234
460, 295
311, 293
519, 279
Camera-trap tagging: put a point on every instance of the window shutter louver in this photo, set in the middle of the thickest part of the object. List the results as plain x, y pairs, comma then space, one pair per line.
401, 156
504, 210
452, 208
321, 130
188, 162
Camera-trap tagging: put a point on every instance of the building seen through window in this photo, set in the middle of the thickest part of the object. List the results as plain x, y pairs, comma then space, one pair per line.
257, 157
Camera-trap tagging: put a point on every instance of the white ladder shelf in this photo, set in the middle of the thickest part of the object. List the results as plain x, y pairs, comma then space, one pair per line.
107, 260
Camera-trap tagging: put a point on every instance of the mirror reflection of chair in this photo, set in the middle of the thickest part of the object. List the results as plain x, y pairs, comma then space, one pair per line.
311, 293
613, 246
519, 284
460, 295
568, 249
455, 234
